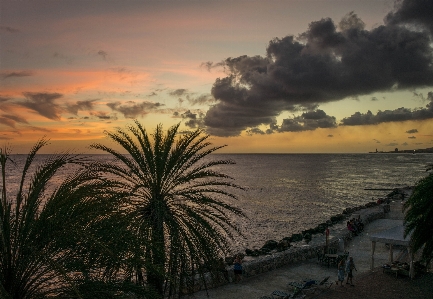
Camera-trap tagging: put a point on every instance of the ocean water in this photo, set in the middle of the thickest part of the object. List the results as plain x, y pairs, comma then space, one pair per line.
287, 193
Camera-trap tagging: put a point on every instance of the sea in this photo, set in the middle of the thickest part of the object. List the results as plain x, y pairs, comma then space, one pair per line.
287, 193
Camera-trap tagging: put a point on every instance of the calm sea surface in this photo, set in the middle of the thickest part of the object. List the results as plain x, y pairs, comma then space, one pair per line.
287, 193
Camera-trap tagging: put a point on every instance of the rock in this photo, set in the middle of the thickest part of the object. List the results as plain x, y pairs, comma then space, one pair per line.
270, 245
296, 237
283, 245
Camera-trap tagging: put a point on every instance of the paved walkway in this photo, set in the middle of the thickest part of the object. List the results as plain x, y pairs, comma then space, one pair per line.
264, 284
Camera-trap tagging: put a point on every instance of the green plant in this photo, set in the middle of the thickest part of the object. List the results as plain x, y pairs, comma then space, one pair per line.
63, 240
419, 217
179, 204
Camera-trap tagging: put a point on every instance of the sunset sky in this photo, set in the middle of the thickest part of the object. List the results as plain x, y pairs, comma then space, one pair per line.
278, 76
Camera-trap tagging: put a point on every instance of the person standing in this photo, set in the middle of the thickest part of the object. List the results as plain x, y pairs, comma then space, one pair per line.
237, 268
340, 273
350, 266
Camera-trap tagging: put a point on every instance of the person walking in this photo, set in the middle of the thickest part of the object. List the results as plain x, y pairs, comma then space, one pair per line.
237, 268
350, 266
340, 273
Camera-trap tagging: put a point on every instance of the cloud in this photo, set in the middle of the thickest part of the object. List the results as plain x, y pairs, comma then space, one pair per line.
8, 29
17, 74
178, 92
377, 141
4, 99
399, 114
412, 12
80, 105
308, 121
330, 135
204, 99
391, 144
193, 120
103, 54
326, 63
43, 103
40, 129
11, 120
412, 131
131, 109
404, 144
192, 98
255, 131
103, 115
411, 137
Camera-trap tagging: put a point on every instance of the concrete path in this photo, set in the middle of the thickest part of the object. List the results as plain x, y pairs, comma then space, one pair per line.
264, 284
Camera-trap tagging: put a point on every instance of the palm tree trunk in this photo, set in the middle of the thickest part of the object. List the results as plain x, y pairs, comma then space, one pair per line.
155, 275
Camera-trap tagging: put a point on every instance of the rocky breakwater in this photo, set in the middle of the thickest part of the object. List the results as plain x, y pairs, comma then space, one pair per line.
306, 244
309, 247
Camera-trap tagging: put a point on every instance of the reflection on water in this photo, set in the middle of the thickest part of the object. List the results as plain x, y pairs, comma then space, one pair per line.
286, 193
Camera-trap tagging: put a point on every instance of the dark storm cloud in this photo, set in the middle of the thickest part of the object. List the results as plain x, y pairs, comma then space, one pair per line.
412, 131
11, 120
17, 74
204, 99
8, 29
80, 105
193, 120
308, 121
132, 110
43, 103
192, 98
255, 131
412, 12
324, 64
399, 114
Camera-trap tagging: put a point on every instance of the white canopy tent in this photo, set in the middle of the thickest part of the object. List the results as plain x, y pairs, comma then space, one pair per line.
392, 236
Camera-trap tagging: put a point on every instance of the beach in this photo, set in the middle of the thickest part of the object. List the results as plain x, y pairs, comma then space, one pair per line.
368, 283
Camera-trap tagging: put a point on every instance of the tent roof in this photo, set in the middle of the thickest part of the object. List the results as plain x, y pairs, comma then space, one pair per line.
393, 236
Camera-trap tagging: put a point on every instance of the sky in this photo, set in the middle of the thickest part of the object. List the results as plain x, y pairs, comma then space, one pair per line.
278, 76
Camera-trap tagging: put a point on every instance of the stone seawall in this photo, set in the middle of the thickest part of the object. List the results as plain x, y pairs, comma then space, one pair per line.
300, 251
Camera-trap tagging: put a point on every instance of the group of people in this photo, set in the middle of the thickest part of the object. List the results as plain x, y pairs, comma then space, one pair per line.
237, 267
346, 267
355, 225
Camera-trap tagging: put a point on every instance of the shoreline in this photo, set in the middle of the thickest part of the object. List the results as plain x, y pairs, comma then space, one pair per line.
300, 260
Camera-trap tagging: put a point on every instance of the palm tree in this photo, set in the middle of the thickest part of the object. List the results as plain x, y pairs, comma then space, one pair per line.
66, 240
419, 217
178, 202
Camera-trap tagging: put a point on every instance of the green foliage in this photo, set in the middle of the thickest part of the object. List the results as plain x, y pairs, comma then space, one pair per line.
178, 203
57, 240
419, 217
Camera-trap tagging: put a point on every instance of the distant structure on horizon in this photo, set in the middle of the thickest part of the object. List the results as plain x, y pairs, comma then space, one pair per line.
415, 151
